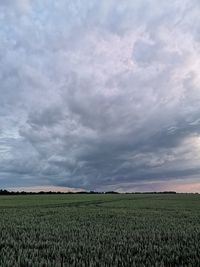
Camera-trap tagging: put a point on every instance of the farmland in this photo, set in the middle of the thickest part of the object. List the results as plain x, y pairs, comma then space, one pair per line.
100, 230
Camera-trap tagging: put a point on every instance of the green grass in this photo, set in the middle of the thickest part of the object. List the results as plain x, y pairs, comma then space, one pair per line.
100, 230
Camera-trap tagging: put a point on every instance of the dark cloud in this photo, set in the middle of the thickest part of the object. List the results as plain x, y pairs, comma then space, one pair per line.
99, 95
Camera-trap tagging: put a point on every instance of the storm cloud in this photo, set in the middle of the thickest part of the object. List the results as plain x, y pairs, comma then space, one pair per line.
100, 94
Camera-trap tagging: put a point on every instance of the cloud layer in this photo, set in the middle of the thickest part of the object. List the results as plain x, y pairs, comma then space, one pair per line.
96, 94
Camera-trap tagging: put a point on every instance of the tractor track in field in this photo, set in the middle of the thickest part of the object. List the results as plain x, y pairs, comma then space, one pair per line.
94, 203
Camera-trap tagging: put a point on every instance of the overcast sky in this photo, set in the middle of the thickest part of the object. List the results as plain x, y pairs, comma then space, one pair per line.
100, 95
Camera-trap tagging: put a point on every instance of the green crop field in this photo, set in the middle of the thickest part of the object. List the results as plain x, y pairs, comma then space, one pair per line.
100, 230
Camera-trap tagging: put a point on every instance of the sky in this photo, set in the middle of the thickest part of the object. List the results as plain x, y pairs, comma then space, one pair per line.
100, 95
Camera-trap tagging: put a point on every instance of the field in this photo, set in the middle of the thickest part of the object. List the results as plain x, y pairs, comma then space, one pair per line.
100, 230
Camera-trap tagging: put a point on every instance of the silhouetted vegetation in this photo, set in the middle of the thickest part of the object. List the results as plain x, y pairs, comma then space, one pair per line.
6, 192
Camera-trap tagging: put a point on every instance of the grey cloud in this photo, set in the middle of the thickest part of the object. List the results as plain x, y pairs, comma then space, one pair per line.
95, 93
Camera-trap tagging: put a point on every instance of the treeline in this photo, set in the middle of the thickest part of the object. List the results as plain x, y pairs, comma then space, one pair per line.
6, 192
